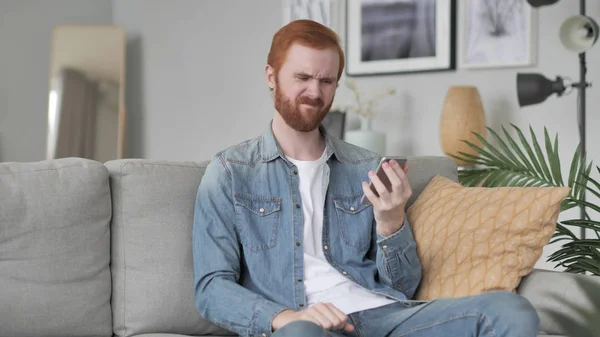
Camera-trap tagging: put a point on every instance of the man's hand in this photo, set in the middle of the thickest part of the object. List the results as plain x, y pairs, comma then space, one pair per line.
326, 315
388, 208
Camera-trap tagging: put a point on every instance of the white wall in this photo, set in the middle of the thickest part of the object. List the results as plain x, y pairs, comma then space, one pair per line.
196, 83
195, 74
25, 30
195, 80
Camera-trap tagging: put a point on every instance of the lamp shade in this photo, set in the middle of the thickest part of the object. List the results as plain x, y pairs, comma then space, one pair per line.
579, 33
535, 88
539, 3
462, 114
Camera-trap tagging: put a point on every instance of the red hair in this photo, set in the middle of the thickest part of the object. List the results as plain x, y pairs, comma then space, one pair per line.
307, 33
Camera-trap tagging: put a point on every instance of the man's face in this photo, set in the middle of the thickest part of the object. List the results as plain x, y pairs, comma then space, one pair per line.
305, 86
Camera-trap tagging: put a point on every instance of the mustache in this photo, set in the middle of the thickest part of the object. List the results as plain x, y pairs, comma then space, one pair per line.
310, 101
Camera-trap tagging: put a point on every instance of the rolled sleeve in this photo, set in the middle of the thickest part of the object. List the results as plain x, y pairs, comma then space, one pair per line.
401, 240
263, 320
397, 258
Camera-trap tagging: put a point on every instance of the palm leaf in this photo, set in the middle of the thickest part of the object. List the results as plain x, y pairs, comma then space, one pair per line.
575, 166
522, 162
509, 154
511, 164
581, 182
540, 154
473, 179
584, 203
580, 264
528, 149
498, 155
583, 223
517, 150
589, 243
595, 184
561, 230
553, 158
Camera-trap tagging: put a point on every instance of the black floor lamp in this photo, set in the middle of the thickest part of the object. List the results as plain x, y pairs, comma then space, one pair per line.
577, 34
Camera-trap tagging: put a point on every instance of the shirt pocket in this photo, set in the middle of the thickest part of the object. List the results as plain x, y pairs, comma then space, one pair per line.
355, 220
258, 221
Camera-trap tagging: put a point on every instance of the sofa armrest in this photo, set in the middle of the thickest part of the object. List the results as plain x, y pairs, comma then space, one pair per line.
568, 304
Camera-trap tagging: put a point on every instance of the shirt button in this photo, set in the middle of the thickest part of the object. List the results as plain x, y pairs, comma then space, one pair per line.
262, 210
295, 171
297, 205
326, 247
345, 273
300, 280
298, 244
385, 246
352, 209
264, 335
301, 305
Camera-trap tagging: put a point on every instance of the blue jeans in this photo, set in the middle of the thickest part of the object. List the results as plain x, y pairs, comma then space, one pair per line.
492, 314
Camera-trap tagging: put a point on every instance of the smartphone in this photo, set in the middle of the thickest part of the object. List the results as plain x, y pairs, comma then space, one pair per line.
383, 176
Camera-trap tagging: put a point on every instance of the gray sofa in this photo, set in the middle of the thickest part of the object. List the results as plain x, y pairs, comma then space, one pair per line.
92, 249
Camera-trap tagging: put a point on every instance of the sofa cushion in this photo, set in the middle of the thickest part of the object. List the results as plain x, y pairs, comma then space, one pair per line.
476, 239
567, 303
55, 249
152, 268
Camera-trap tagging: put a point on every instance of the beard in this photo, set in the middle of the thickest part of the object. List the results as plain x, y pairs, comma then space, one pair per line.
291, 112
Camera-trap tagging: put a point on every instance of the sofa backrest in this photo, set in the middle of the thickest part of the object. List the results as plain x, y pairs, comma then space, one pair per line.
151, 260
78, 238
55, 249
423, 168
152, 267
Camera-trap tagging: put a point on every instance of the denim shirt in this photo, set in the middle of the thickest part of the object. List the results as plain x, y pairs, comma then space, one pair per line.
248, 233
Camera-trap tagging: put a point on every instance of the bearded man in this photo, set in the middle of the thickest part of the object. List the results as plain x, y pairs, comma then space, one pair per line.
282, 243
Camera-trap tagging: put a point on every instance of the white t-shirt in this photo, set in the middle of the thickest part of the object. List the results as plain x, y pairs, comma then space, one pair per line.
322, 282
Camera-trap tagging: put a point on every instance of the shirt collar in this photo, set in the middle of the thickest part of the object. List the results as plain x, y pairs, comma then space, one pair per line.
270, 150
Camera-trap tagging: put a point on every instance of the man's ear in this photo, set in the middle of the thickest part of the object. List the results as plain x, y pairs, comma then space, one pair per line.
270, 75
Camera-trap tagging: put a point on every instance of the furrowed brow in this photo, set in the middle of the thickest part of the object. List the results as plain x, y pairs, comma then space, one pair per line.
305, 75
301, 74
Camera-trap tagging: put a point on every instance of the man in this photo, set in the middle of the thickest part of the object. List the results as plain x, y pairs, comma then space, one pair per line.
284, 247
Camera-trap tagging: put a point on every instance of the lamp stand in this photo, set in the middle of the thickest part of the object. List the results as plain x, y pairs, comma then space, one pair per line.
581, 103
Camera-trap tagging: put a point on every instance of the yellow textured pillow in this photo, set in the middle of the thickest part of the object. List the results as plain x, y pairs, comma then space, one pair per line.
476, 239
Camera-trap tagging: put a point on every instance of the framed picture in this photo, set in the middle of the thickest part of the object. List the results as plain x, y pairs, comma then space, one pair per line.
496, 33
399, 36
316, 10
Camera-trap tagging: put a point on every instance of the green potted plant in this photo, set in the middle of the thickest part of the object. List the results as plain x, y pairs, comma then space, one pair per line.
518, 161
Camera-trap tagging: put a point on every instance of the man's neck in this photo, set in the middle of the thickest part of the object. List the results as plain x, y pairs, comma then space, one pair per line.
298, 145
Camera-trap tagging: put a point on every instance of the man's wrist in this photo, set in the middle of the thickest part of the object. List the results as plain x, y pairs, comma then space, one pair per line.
385, 229
262, 322
281, 319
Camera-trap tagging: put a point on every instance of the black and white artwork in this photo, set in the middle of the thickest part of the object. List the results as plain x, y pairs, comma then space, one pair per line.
316, 10
496, 33
397, 36
397, 30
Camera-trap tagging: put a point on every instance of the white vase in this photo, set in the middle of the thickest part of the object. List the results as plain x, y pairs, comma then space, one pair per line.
366, 138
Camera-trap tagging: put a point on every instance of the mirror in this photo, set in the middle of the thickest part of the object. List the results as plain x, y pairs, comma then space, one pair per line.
86, 110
